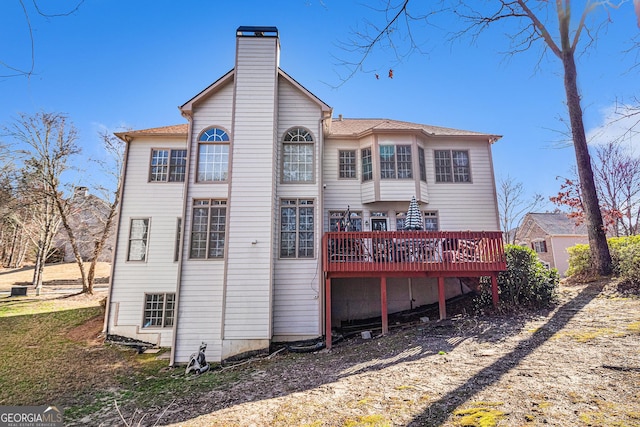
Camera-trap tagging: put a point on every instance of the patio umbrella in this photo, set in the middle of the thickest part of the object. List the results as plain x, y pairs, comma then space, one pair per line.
413, 220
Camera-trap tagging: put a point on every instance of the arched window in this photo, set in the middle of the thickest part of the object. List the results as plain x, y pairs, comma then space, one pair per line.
213, 155
297, 156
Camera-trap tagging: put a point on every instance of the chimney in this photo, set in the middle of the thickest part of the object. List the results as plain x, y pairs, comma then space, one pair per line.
80, 192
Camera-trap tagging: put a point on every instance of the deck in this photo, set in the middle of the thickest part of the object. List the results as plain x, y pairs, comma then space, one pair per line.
410, 254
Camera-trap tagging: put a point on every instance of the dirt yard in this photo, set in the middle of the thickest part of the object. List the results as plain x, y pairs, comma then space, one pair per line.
577, 365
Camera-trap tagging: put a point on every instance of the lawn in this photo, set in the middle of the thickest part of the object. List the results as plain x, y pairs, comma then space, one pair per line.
51, 353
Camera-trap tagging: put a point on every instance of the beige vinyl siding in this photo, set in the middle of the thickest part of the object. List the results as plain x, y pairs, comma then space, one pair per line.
216, 110
296, 302
396, 190
200, 310
464, 206
342, 192
247, 312
201, 296
559, 246
161, 202
296, 310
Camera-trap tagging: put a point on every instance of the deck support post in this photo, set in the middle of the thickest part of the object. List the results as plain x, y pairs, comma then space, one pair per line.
327, 305
383, 304
494, 290
441, 298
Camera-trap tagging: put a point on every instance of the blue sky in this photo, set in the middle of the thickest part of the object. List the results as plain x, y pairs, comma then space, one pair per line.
123, 63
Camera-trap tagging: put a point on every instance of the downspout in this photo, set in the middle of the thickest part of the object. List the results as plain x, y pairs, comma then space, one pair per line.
490, 142
321, 282
176, 316
123, 175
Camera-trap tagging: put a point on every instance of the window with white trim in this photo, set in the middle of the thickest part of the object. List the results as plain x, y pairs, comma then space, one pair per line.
401, 218
338, 222
297, 156
297, 228
422, 164
395, 162
452, 166
540, 246
347, 164
138, 239
208, 228
159, 310
176, 249
213, 156
167, 165
431, 221
367, 166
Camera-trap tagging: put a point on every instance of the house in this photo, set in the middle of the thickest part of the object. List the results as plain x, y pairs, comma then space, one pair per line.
88, 216
263, 219
550, 234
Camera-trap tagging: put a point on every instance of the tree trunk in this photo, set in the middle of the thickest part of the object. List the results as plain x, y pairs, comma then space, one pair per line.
113, 208
64, 216
595, 227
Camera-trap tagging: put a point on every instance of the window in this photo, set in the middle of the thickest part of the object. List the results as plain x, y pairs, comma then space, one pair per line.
176, 249
168, 165
395, 158
387, 161
347, 163
452, 166
367, 167
539, 246
296, 228
337, 220
208, 229
401, 217
213, 156
405, 166
159, 310
431, 221
422, 164
297, 157
138, 239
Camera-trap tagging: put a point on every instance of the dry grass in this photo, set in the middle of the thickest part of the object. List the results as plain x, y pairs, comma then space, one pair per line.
54, 275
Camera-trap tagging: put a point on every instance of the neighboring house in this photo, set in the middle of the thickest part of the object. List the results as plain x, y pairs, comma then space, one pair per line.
263, 219
550, 234
87, 219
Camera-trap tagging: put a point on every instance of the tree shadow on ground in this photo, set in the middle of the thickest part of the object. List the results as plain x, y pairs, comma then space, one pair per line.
293, 373
439, 411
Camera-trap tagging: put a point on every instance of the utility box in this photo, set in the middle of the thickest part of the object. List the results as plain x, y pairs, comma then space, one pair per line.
19, 291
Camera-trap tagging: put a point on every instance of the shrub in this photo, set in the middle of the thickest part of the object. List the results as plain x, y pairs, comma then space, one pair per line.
526, 282
580, 261
625, 257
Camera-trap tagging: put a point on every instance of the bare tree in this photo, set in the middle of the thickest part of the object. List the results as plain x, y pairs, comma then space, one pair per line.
513, 204
112, 167
14, 70
532, 20
617, 178
617, 174
46, 144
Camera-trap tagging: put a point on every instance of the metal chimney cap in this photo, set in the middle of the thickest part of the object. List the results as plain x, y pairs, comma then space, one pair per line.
250, 31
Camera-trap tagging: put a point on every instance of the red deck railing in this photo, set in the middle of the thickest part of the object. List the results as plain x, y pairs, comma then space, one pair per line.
433, 253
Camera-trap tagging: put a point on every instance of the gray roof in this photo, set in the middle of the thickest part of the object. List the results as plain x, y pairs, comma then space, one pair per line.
558, 223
